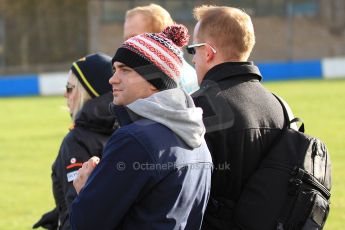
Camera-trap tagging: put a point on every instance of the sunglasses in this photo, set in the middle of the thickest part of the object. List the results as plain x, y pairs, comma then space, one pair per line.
191, 48
69, 88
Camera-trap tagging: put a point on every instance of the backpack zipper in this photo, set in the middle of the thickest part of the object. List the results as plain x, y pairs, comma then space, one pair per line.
308, 179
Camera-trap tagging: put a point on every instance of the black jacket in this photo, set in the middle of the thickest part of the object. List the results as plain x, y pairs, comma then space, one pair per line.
242, 120
93, 126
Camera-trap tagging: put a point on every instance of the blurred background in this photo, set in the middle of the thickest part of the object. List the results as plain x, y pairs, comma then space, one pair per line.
45, 36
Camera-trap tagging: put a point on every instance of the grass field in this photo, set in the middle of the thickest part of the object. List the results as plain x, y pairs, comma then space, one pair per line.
32, 129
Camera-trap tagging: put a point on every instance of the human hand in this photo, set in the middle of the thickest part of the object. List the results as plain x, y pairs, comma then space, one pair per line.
48, 220
84, 173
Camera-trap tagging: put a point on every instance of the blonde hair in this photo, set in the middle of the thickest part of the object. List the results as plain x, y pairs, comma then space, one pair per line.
83, 97
158, 17
230, 29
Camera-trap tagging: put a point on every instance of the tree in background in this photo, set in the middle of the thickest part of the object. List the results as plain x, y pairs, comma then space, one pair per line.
43, 32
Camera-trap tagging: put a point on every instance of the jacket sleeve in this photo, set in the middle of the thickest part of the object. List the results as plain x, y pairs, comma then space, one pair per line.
59, 196
71, 156
113, 186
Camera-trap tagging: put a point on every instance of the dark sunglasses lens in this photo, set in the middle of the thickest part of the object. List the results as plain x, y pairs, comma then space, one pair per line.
191, 50
69, 89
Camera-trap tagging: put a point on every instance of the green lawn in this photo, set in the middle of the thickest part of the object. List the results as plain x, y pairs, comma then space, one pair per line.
32, 129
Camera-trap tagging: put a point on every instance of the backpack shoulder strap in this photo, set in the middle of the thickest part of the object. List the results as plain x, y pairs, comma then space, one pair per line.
288, 115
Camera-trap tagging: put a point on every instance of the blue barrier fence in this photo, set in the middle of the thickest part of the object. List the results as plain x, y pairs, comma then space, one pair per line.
19, 85
48, 84
277, 71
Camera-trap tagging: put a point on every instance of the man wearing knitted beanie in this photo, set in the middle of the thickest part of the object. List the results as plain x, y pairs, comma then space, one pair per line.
155, 172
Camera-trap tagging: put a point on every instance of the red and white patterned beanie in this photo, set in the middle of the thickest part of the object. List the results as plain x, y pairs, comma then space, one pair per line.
157, 57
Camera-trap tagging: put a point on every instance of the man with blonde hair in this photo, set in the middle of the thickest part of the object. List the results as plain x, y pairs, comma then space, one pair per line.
153, 18
242, 118
150, 18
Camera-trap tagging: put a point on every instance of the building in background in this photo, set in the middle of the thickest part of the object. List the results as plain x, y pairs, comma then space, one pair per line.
45, 36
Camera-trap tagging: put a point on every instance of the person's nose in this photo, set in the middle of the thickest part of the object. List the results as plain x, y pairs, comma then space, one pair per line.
65, 94
114, 79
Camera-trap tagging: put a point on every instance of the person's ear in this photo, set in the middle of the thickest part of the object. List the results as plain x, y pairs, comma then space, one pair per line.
210, 55
153, 88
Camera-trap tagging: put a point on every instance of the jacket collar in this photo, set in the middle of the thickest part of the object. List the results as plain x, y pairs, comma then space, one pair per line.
244, 70
123, 114
95, 116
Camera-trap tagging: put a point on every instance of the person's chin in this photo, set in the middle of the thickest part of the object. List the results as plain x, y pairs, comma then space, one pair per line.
116, 101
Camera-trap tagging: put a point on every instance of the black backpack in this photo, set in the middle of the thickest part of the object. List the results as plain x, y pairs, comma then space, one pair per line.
291, 187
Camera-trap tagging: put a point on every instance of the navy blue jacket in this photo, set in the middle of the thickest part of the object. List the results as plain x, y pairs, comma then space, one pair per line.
148, 178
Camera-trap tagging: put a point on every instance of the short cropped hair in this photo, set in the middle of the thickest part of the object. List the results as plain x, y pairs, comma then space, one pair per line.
230, 29
158, 18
